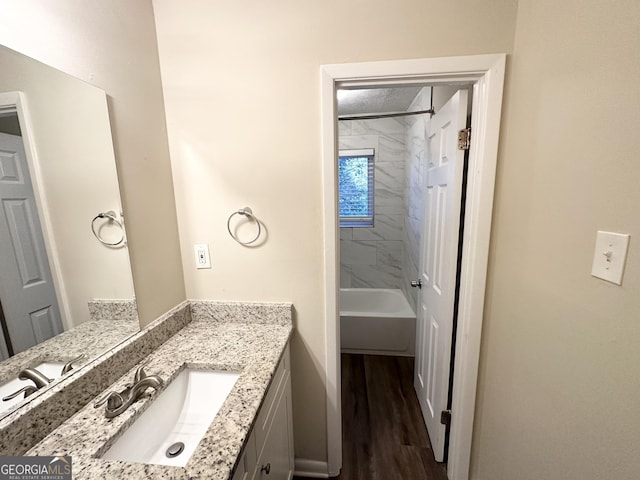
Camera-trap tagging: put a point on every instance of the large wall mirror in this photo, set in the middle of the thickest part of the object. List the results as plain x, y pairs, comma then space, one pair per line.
66, 289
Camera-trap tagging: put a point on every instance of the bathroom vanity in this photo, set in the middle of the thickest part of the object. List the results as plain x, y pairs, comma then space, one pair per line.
251, 435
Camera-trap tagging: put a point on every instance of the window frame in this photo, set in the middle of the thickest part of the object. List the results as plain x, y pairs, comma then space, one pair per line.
362, 221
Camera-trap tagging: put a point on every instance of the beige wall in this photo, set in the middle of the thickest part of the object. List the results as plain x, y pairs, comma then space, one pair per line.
76, 177
558, 382
559, 385
113, 45
242, 90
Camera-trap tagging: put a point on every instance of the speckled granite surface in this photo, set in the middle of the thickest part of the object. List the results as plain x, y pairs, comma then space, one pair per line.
253, 349
29, 424
242, 312
110, 309
90, 339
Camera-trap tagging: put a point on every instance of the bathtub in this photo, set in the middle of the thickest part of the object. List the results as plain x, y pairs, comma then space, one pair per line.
376, 321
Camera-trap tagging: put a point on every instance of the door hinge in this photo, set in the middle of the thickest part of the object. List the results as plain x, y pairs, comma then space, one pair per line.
464, 139
445, 417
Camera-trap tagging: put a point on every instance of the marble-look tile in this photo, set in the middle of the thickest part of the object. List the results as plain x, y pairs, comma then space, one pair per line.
412, 236
345, 276
346, 233
390, 193
353, 142
411, 294
386, 227
390, 210
415, 173
422, 101
357, 252
385, 197
344, 127
391, 149
389, 175
389, 253
376, 276
399, 201
379, 126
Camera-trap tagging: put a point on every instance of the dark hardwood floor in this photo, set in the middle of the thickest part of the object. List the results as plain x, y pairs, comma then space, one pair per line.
383, 434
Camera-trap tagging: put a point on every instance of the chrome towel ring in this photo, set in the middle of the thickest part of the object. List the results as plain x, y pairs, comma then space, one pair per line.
111, 217
245, 212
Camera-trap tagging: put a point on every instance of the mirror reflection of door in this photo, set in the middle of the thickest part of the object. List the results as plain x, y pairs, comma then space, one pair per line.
30, 312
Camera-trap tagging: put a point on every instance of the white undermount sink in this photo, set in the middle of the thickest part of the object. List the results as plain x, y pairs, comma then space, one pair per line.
51, 370
181, 413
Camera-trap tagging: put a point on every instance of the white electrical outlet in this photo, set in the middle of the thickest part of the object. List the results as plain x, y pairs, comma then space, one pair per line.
610, 256
202, 255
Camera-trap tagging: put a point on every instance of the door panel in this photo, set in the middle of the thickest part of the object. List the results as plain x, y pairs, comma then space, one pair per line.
42, 322
438, 260
19, 216
27, 292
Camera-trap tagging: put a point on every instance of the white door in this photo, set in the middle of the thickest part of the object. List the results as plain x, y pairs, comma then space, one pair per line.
27, 292
438, 261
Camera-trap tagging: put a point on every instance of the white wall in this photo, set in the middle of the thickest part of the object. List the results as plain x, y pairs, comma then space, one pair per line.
559, 385
241, 84
371, 257
112, 45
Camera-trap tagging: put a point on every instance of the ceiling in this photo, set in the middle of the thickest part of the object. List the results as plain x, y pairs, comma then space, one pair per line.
375, 100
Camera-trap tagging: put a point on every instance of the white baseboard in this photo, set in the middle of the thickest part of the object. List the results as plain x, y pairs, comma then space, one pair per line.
311, 468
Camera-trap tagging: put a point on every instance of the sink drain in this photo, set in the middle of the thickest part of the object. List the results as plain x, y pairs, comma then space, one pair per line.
175, 450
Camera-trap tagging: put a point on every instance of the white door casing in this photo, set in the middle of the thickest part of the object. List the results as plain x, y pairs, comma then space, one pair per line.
438, 261
27, 291
486, 72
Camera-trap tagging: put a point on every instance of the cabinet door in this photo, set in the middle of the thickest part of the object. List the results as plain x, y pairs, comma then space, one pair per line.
245, 470
241, 472
276, 461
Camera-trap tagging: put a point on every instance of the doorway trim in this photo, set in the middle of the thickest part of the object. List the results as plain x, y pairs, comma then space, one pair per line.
486, 72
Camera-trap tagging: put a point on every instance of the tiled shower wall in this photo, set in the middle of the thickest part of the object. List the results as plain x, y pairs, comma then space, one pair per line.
415, 169
372, 257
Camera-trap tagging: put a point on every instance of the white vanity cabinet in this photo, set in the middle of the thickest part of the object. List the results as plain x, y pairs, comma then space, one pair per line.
268, 453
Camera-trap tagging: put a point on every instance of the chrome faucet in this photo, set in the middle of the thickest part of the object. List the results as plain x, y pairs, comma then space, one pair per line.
39, 380
35, 376
118, 402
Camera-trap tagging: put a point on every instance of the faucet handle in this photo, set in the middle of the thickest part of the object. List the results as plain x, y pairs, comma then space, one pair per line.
112, 399
140, 374
69, 365
28, 390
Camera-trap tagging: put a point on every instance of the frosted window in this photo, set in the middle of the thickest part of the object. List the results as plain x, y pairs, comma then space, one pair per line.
355, 184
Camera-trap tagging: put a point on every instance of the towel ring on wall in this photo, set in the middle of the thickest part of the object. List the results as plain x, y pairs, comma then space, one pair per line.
245, 212
111, 217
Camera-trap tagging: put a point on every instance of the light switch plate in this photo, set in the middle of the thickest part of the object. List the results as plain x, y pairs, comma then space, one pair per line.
610, 256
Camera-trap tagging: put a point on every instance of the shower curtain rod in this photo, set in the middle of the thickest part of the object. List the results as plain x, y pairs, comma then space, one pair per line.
367, 116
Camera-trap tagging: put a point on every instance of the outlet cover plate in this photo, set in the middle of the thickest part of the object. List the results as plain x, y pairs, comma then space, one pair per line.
203, 260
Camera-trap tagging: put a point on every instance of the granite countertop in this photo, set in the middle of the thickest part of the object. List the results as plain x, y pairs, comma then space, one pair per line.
90, 339
253, 349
